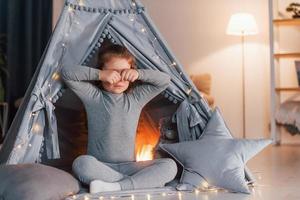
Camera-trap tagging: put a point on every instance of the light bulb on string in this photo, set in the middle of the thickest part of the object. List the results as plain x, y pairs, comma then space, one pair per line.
148, 196
163, 194
30, 145
179, 195
205, 183
132, 197
188, 92
55, 76
101, 197
143, 30
81, 2
173, 64
70, 9
86, 198
36, 128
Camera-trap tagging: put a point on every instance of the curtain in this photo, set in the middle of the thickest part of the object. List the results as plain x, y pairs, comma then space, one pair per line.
27, 26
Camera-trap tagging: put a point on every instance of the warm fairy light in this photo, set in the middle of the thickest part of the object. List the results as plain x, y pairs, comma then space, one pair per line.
36, 128
55, 76
163, 194
196, 191
112, 197
148, 196
70, 9
101, 197
30, 145
81, 3
19, 146
132, 197
179, 195
74, 197
133, 4
143, 30
205, 184
131, 19
86, 198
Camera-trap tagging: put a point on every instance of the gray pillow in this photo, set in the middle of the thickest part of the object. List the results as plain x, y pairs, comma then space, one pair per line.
215, 158
35, 182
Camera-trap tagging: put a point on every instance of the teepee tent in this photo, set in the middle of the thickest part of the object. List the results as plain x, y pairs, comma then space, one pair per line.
82, 28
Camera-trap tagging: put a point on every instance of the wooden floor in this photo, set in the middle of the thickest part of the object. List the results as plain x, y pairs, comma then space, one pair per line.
277, 169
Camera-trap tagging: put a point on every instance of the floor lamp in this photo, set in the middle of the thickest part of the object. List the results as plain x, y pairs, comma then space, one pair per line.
242, 24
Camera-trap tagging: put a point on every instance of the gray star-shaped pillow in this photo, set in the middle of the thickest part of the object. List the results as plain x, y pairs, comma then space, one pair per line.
215, 158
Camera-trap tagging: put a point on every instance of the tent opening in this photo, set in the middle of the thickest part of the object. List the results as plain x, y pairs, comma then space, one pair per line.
71, 117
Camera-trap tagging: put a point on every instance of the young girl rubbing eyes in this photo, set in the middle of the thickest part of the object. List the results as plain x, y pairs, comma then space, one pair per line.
113, 111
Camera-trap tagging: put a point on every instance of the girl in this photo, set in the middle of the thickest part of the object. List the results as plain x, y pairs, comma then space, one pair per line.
113, 113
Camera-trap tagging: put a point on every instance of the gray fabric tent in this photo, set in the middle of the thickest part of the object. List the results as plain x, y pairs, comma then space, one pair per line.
78, 35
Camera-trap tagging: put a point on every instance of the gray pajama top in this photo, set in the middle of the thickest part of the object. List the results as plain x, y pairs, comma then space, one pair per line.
113, 118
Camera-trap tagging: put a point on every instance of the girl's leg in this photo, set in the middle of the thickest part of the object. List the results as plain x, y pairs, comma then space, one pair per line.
147, 174
87, 168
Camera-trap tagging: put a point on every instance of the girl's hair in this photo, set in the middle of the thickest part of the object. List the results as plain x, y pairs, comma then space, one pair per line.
114, 50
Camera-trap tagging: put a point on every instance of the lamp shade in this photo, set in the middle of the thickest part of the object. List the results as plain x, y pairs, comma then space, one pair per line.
242, 24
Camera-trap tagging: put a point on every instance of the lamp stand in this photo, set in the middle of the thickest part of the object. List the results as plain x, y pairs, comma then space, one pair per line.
243, 84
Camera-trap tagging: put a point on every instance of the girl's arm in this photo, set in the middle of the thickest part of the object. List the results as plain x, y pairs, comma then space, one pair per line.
154, 83
76, 77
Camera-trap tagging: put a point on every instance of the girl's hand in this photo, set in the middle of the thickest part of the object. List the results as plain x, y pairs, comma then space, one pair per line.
110, 76
129, 75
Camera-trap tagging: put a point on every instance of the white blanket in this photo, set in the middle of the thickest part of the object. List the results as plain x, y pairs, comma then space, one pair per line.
289, 113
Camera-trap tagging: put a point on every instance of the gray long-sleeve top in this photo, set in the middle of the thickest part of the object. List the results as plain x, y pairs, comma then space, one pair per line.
113, 118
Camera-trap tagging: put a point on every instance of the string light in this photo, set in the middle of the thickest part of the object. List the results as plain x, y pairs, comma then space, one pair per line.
74, 197
81, 3
112, 197
197, 191
30, 145
188, 92
163, 194
19, 146
70, 9
32, 114
86, 198
179, 195
173, 64
132, 197
148, 196
101, 197
55, 76
205, 183
36, 128
143, 30
133, 4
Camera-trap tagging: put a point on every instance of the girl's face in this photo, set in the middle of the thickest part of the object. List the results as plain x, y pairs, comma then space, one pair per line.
117, 64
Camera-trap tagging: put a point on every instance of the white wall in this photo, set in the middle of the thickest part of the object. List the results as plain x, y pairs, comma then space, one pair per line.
195, 30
